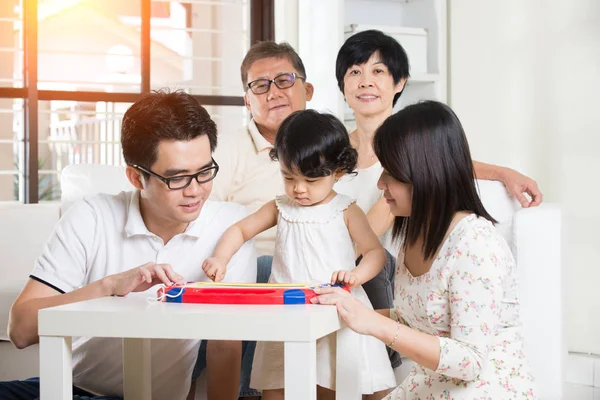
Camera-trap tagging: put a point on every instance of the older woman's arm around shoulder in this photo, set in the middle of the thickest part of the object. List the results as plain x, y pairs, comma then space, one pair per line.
515, 182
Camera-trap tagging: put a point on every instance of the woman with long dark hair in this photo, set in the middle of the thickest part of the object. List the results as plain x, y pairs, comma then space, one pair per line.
456, 306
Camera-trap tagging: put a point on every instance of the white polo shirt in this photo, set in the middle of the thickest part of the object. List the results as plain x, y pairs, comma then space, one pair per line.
247, 176
104, 235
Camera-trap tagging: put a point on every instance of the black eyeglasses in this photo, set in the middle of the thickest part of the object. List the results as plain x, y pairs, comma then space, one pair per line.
282, 81
182, 181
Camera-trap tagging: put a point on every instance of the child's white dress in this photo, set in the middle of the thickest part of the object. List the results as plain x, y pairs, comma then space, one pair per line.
311, 243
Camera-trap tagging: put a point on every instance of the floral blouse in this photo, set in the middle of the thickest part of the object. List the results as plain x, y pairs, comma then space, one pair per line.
469, 299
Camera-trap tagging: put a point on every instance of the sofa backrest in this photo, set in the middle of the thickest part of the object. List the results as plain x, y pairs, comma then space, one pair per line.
80, 180
500, 206
534, 236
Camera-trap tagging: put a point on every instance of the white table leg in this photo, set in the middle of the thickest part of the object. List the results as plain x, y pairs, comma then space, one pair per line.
56, 369
300, 370
347, 373
137, 383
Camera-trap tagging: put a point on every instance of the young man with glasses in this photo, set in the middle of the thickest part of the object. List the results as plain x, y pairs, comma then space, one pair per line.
114, 245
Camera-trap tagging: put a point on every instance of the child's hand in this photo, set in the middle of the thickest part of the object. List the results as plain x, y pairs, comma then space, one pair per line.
214, 268
345, 278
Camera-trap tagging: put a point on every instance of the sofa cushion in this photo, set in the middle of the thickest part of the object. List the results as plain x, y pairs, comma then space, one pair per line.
23, 234
501, 206
80, 180
22, 364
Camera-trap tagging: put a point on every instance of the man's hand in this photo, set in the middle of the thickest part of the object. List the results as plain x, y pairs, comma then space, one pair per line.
345, 278
517, 184
214, 268
141, 278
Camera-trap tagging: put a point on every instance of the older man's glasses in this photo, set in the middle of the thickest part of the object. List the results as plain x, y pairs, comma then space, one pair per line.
182, 181
282, 81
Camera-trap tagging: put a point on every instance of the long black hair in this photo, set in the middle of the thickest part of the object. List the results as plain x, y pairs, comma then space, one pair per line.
425, 145
314, 144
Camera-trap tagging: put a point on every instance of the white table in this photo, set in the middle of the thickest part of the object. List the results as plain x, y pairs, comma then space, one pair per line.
136, 321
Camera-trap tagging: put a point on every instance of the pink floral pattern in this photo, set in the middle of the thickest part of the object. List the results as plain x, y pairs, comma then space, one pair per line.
469, 299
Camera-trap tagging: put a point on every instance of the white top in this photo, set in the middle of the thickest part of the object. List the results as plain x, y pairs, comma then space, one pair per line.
312, 243
248, 176
362, 186
469, 299
104, 235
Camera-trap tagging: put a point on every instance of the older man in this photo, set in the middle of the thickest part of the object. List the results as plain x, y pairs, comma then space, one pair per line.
274, 78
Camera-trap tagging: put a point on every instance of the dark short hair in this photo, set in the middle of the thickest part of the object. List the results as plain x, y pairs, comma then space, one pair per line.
314, 145
162, 115
425, 145
269, 49
359, 47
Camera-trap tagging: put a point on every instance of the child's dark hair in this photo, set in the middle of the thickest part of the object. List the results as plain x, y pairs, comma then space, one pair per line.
314, 145
425, 145
359, 47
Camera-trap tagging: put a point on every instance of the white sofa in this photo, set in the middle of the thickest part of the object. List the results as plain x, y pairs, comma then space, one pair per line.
23, 233
534, 235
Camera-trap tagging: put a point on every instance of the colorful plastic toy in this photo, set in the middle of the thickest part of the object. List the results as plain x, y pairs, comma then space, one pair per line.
228, 293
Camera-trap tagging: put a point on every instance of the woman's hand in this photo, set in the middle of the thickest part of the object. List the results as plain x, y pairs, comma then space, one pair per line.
355, 314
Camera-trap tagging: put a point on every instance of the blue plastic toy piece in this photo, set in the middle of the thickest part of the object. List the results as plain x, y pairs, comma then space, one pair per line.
175, 295
294, 296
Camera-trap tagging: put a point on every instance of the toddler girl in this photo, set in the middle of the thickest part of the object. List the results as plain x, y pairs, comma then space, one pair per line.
317, 230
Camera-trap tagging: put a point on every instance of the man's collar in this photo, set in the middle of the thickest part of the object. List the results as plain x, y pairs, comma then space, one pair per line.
260, 143
196, 227
135, 223
136, 226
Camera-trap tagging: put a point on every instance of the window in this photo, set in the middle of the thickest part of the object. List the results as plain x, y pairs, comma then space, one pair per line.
63, 91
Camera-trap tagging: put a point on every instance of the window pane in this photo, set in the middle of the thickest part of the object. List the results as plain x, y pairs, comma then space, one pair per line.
199, 45
11, 149
11, 44
89, 45
229, 119
73, 132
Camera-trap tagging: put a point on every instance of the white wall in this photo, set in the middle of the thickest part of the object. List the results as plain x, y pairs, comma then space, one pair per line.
286, 22
525, 81
318, 46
